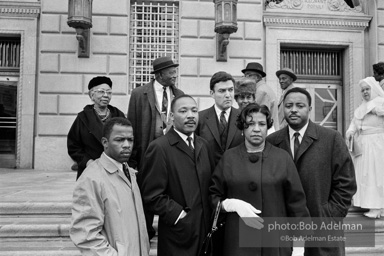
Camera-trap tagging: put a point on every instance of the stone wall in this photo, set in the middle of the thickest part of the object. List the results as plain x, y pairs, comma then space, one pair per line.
63, 77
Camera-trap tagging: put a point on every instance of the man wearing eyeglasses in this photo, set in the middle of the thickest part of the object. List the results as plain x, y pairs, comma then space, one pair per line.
264, 94
148, 111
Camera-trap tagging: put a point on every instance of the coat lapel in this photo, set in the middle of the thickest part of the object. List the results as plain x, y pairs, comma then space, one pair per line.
175, 139
309, 136
150, 93
112, 168
232, 127
283, 140
96, 126
212, 124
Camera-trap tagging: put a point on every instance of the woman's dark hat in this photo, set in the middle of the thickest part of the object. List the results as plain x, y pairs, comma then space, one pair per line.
254, 66
162, 63
99, 80
288, 72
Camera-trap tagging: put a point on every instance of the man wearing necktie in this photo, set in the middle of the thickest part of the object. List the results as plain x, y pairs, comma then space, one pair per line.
107, 211
217, 124
149, 108
324, 164
177, 170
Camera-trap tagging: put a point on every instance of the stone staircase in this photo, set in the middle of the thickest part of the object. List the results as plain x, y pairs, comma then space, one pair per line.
39, 229
42, 229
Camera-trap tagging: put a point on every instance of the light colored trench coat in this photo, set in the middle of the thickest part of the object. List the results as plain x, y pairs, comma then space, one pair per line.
107, 212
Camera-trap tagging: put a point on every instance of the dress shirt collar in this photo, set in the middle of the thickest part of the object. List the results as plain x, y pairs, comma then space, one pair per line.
185, 137
118, 164
218, 112
301, 131
159, 87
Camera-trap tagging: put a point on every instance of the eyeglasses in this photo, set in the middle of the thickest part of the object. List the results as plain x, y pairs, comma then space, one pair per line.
101, 92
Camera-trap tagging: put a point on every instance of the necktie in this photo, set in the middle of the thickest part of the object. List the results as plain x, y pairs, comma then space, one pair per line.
126, 172
164, 106
223, 128
296, 145
190, 144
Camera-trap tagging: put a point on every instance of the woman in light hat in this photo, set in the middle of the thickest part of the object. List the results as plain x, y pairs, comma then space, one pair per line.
84, 137
367, 132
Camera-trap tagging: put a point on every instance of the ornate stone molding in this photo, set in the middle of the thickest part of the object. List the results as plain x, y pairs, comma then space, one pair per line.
15, 9
324, 6
318, 21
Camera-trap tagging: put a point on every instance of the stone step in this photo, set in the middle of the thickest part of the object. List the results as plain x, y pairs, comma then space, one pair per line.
35, 208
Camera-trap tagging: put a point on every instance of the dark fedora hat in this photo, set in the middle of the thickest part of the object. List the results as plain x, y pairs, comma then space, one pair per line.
162, 63
254, 66
288, 72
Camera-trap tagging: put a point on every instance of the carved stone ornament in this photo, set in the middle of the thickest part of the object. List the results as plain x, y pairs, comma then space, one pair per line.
23, 9
341, 6
314, 6
286, 4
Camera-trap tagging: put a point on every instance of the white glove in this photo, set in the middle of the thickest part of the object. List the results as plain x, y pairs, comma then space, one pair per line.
246, 211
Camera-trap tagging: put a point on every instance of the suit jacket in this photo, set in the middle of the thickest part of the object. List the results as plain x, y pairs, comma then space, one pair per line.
142, 114
209, 130
107, 212
326, 172
175, 179
84, 137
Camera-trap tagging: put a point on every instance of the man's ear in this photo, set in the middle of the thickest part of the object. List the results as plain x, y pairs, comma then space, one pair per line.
211, 92
104, 142
171, 116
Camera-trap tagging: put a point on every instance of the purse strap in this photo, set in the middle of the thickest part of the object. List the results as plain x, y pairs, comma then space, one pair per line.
217, 212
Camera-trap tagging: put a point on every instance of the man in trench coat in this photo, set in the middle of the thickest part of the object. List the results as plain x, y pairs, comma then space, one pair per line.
322, 159
107, 211
176, 176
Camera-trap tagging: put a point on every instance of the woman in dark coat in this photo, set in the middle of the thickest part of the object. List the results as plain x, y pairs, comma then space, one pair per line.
256, 180
84, 137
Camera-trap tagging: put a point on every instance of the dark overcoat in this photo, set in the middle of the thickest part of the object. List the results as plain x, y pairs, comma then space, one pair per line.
84, 137
208, 128
142, 115
271, 185
176, 180
327, 174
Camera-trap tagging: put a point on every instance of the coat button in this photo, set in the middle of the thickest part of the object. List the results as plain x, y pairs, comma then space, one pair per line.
252, 186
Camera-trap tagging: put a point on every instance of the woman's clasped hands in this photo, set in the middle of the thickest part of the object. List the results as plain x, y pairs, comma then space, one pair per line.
246, 211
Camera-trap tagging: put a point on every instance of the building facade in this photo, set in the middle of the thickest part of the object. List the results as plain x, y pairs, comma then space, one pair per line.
43, 83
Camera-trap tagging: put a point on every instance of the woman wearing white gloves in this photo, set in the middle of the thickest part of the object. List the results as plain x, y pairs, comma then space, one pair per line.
256, 180
367, 132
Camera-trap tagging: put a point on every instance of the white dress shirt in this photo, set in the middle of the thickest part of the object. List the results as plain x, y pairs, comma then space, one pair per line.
292, 137
218, 113
159, 96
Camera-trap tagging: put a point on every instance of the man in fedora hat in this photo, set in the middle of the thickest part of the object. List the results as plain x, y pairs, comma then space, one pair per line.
286, 78
148, 111
264, 94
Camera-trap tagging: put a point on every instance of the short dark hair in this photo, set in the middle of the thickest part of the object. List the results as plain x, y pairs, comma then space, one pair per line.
108, 126
179, 97
241, 121
220, 76
299, 90
379, 68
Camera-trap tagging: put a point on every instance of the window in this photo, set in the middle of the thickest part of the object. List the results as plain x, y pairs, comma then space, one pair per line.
9, 54
154, 32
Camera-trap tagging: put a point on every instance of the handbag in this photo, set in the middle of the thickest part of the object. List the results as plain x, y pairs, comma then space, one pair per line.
206, 248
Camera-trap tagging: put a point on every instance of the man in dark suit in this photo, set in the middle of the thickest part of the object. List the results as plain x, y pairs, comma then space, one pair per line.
323, 162
177, 170
149, 106
218, 124
148, 111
